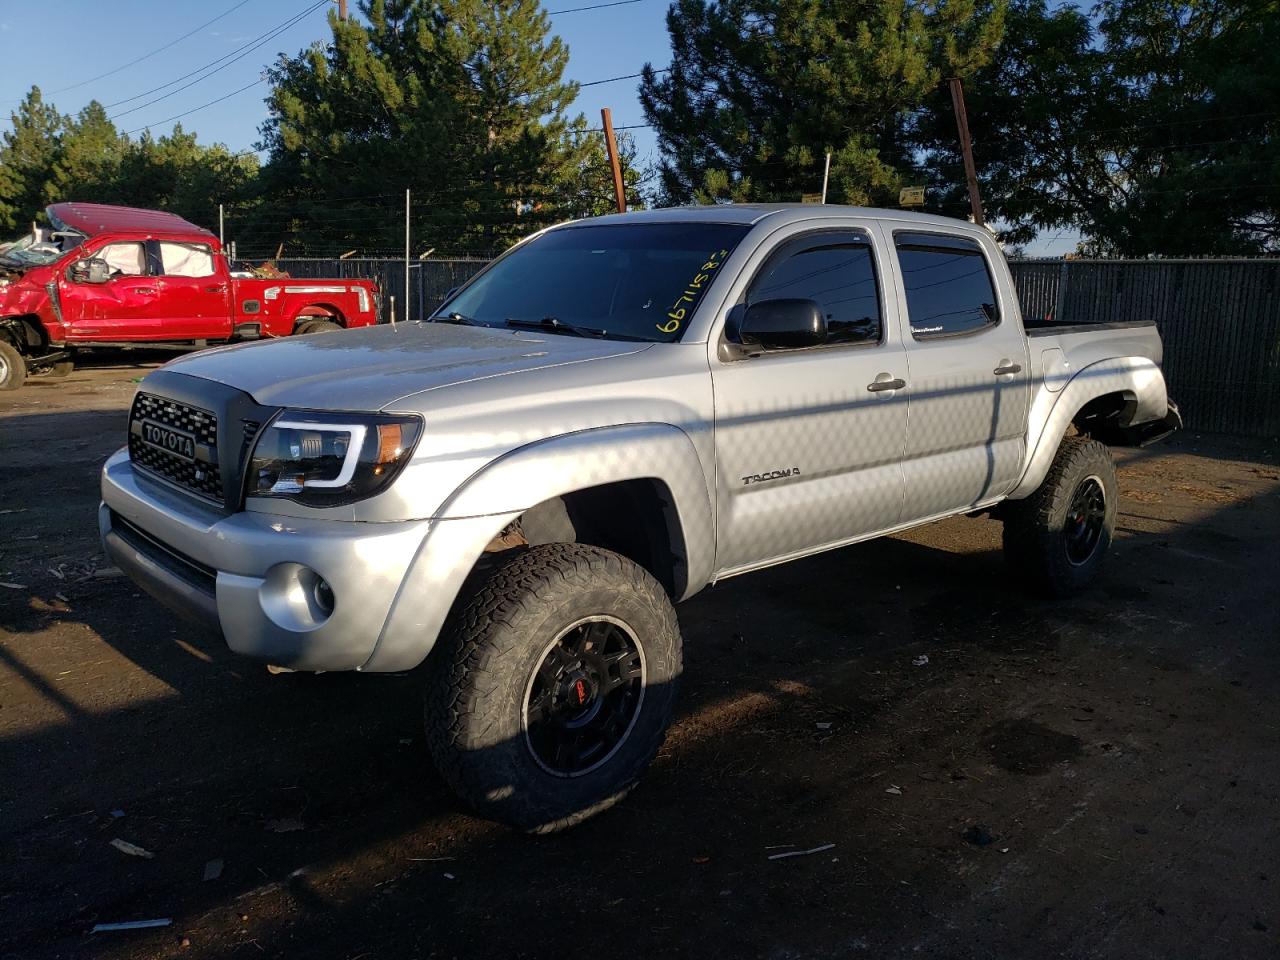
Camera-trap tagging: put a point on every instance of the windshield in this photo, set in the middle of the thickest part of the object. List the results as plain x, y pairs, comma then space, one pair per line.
618, 281
39, 248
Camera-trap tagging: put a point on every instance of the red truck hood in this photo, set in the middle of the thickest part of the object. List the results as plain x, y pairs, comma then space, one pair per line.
370, 368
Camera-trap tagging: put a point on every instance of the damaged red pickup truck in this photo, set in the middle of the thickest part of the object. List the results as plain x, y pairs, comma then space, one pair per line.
104, 276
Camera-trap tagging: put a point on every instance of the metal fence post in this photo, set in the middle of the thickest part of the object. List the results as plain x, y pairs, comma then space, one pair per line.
1060, 296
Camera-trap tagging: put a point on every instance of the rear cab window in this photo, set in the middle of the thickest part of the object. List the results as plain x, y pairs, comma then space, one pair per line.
948, 284
835, 269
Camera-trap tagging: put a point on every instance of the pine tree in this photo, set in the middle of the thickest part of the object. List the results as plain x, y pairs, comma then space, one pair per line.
462, 101
27, 153
759, 90
87, 163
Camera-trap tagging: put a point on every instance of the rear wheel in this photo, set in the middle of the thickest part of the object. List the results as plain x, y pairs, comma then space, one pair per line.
318, 325
1057, 538
13, 368
553, 688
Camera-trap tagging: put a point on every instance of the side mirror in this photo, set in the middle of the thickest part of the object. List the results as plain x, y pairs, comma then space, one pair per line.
778, 324
90, 270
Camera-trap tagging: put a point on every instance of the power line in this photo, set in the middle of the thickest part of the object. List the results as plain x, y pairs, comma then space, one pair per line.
179, 116
237, 54
629, 76
594, 6
148, 56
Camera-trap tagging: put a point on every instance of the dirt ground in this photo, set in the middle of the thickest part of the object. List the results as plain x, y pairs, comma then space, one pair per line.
1094, 778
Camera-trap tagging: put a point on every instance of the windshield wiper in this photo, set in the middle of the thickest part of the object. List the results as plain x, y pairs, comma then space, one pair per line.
556, 325
457, 318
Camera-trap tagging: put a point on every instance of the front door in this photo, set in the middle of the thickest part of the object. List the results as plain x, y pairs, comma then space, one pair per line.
808, 441
968, 371
127, 307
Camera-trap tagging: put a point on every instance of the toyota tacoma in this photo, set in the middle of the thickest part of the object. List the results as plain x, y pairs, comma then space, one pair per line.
610, 417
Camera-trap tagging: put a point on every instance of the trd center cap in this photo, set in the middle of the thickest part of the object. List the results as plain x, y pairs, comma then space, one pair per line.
577, 692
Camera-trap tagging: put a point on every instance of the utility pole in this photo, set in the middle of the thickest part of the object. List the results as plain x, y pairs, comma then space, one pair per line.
826, 175
611, 145
971, 175
342, 9
406, 253
220, 240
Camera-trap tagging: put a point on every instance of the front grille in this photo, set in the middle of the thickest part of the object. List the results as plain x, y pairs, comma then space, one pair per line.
199, 472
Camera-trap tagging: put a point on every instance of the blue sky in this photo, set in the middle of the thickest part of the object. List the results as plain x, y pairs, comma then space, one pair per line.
60, 45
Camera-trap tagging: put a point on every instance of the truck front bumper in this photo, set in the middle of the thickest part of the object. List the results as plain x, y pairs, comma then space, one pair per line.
261, 579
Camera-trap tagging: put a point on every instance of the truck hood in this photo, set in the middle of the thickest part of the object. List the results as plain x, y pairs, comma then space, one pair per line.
372, 367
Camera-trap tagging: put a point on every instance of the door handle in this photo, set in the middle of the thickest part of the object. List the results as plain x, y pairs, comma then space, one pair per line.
216, 288
1006, 367
877, 385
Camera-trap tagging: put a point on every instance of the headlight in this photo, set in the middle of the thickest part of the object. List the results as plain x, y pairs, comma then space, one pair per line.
325, 460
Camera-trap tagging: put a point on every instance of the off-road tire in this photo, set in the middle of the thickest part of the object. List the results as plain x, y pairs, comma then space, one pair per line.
481, 673
13, 368
1037, 537
319, 325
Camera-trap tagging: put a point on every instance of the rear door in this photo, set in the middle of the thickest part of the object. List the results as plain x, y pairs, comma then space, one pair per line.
809, 441
196, 291
968, 373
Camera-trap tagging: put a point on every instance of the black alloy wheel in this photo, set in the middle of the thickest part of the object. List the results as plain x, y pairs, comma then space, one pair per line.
583, 698
1086, 520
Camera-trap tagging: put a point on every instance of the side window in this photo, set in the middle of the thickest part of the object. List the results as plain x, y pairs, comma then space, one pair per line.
186, 259
835, 269
949, 289
124, 259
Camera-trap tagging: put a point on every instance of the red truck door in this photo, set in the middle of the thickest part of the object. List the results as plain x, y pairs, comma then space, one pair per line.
127, 307
195, 288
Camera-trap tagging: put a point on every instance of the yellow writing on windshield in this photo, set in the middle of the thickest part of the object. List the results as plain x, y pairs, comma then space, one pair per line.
684, 303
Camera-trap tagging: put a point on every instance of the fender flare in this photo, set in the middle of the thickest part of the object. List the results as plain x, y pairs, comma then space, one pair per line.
1138, 378
505, 488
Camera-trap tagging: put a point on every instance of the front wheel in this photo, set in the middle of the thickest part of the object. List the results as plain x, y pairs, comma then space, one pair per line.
1056, 539
554, 686
13, 369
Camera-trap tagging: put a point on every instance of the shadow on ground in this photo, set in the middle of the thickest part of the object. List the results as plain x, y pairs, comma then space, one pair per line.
1118, 752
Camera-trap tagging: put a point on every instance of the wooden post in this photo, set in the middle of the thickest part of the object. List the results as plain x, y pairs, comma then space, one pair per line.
611, 145
342, 9
971, 175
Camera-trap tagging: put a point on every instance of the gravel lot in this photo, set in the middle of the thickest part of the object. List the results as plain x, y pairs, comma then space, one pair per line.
1117, 757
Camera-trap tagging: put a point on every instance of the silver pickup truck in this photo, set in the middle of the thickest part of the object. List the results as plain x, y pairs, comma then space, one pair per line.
610, 417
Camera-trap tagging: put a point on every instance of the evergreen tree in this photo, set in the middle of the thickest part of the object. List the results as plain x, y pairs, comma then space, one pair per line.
86, 165
27, 153
759, 90
1145, 127
462, 101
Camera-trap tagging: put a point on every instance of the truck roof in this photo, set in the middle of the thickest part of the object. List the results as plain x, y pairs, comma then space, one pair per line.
92, 219
752, 213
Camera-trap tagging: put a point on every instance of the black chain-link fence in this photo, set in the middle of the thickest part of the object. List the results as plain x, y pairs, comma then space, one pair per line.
1219, 319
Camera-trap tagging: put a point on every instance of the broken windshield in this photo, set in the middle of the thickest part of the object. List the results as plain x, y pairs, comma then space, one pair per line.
39, 248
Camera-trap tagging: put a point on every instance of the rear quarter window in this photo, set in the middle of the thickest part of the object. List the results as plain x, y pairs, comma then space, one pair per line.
948, 285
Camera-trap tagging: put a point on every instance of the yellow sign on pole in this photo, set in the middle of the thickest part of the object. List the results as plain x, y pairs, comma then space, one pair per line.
911, 197
810, 198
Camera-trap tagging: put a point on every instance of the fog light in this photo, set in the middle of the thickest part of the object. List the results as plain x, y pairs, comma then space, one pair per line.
295, 597
324, 595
